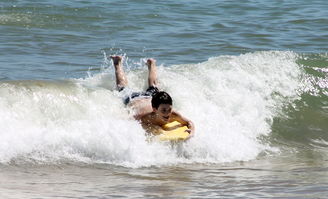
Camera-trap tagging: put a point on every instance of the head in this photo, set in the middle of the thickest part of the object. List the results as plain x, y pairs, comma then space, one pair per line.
162, 105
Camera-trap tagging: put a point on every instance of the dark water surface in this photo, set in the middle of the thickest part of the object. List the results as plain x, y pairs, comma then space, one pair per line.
55, 40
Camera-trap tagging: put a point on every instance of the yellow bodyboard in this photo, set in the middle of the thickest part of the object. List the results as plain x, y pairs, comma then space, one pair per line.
173, 131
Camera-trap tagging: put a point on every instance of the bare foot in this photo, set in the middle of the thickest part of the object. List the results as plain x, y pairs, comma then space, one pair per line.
117, 60
151, 62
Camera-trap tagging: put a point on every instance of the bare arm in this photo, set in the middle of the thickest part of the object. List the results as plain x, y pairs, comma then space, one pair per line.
184, 121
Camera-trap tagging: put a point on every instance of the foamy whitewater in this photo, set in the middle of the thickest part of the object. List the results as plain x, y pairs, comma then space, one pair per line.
231, 99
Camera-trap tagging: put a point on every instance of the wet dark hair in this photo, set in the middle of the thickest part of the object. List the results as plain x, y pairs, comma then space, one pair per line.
160, 98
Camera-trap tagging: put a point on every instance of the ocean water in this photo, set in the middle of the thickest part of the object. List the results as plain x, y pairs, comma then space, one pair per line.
251, 75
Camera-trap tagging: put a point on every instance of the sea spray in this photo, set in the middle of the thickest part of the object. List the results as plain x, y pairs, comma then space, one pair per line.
231, 100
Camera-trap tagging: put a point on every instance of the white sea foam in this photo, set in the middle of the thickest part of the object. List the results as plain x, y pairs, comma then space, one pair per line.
231, 99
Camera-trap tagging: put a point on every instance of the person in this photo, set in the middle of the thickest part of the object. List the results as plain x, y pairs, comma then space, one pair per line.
153, 108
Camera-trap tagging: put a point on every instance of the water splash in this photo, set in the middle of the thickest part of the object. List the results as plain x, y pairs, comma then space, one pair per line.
231, 99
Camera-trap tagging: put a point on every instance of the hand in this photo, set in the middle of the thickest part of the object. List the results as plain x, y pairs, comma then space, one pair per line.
191, 133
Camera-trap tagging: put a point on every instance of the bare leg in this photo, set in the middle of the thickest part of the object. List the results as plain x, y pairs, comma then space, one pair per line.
121, 80
152, 76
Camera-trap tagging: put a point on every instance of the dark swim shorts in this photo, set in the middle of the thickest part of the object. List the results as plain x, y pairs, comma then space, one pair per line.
128, 95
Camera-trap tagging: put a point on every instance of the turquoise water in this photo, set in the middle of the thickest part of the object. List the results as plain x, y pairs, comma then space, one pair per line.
252, 75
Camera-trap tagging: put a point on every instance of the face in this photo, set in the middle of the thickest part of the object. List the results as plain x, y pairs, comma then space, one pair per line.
164, 112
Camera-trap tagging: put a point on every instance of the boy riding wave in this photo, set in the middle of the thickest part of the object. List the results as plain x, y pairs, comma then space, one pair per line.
153, 108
